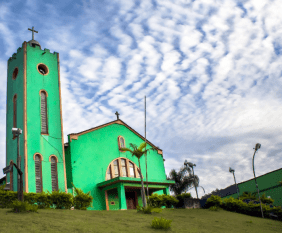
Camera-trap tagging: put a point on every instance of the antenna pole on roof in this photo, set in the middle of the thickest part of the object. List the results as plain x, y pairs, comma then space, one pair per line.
146, 153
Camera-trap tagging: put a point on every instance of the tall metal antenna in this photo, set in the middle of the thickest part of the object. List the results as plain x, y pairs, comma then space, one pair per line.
146, 153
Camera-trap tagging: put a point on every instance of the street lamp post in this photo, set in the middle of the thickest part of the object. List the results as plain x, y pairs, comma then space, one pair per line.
256, 148
232, 171
17, 132
191, 165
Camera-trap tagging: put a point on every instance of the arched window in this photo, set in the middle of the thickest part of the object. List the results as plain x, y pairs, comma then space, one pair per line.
38, 174
122, 167
116, 168
131, 170
54, 173
121, 142
109, 176
44, 119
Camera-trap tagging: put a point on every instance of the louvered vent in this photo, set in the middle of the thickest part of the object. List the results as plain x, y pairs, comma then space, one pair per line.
54, 174
44, 125
38, 174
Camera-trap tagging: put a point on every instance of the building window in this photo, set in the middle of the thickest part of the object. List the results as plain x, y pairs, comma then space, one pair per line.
15, 73
109, 176
44, 119
54, 174
121, 142
38, 174
138, 173
116, 168
42, 69
123, 168
131, 170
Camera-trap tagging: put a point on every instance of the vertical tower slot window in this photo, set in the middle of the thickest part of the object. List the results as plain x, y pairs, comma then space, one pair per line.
54, 174
38, 174
44, 119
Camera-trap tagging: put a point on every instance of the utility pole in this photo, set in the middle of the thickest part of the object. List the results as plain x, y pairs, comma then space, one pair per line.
17, 132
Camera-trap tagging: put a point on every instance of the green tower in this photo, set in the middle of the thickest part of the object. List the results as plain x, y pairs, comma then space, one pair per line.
34, 105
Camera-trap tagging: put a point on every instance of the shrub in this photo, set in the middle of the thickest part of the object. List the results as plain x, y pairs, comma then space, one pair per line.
157, 210
180, 198
161, 223
81, 200
169, 201
157, 201
145, 210
213, 201
214, 208
23, 207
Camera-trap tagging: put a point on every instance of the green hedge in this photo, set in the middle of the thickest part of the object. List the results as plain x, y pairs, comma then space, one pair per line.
235, 205
157, 201
44, 200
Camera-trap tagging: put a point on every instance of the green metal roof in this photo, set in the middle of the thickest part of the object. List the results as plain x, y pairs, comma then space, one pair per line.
134, 180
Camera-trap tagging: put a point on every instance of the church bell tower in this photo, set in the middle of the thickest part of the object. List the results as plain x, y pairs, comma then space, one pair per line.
34, 105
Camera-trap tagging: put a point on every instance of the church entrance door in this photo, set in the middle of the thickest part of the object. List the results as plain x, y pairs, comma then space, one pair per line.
130, 200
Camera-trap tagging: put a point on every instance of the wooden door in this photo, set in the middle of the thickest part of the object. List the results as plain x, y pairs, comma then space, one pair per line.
130, 200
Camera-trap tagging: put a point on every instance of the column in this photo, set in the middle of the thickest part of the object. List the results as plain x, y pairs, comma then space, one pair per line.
122, 198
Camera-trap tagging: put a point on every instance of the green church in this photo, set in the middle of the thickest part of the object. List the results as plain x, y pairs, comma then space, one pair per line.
91, 159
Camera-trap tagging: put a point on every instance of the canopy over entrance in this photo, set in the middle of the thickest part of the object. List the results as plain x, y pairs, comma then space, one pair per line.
125, 192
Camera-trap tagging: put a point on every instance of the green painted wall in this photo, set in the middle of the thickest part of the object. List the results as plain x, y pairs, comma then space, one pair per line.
91, 154
268, 184
113, 197
36, 143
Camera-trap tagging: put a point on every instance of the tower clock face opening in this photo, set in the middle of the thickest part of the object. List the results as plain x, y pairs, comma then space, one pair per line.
42, 69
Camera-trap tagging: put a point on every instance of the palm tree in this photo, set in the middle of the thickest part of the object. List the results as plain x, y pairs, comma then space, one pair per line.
182, 181
137, 152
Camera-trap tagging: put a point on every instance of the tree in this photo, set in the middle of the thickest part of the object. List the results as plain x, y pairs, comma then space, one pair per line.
182, 181
137, 152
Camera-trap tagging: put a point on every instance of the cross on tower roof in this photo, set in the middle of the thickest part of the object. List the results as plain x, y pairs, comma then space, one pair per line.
117, 115
32, 32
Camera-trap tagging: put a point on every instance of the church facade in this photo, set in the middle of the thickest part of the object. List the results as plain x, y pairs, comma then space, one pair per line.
91, 160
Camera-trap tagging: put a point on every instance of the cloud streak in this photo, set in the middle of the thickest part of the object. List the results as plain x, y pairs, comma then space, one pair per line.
210, 71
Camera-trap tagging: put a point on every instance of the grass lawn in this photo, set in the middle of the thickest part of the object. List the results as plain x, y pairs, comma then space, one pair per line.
183, 220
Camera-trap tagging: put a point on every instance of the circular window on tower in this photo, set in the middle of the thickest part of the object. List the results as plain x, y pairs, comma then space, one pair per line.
42, 69
15, 73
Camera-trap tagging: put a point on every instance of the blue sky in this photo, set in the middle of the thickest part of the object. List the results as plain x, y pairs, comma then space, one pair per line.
210, 69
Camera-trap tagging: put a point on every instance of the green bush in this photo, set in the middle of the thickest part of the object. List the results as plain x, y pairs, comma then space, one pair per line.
23, 207
157, 210
145, 210
169, 201
214, 208
180, 198
61, 199
81, 200
214, 200
157, 201
161, 223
